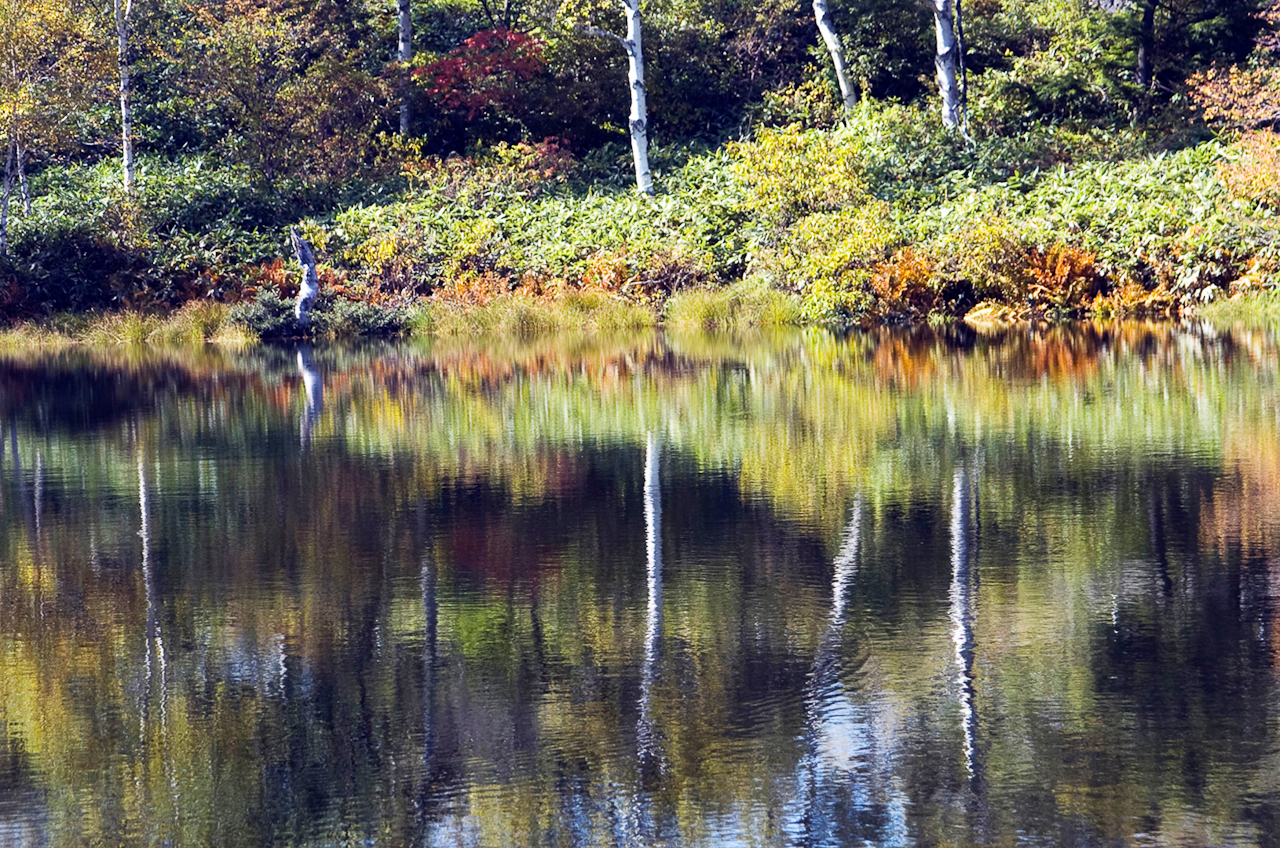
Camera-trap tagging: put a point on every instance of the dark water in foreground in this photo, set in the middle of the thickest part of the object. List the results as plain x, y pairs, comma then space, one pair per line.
896, 589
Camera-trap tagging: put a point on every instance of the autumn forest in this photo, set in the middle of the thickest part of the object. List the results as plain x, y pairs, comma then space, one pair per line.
522, 164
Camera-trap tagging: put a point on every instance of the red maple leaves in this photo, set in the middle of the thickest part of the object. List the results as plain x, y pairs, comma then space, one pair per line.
485, 72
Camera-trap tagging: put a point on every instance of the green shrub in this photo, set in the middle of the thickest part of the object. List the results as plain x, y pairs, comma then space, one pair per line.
793, 172
990, 254
434, 237
827, 257
270, 316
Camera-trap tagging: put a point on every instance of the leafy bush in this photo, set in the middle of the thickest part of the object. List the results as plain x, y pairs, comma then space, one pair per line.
827, 257
990, 254
271, 316
793, 172
268, 315
906, 286
1252, 171
471, 219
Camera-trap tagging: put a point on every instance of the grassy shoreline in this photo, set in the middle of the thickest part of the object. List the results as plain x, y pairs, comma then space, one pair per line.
729, 309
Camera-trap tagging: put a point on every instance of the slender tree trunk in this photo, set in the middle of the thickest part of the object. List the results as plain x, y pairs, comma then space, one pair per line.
4, 201
639, 124
124, 12
1146, 48
22, 175
405, 54
826, 26
310, 282
947, 61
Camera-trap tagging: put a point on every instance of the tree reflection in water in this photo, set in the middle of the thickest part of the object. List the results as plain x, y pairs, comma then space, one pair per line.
846, 777
657, 590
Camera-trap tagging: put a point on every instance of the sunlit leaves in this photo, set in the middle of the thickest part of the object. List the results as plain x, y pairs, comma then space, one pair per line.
793, 172
49, 61
286, 108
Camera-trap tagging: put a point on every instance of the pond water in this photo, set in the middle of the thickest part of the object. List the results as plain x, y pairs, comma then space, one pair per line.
898, 588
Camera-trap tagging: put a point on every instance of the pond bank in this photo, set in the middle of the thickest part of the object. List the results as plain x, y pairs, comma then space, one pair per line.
851, 223
732, 308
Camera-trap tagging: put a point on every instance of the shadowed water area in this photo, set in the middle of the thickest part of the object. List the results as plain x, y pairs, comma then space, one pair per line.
899, 588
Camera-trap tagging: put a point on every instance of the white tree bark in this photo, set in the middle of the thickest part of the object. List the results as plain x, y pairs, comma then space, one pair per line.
947, 61
405, 54
22, 174
4, 201
124, 13
639, 123
310, 282
826, 26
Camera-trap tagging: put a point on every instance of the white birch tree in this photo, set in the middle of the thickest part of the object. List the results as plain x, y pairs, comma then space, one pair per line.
22, 172
4, 200
124, 17
948, 61
405, 55
827, 27
632, 45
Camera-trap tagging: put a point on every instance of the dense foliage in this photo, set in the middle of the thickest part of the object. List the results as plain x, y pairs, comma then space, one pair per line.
1087, 177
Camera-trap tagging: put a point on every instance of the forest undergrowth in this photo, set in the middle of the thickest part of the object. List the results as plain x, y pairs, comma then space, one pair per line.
884, 217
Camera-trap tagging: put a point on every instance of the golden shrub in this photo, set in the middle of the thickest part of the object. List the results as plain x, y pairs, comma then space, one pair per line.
1064, 276
905, 283
1255, 172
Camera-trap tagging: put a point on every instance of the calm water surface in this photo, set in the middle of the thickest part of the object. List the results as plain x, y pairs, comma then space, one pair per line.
893, 589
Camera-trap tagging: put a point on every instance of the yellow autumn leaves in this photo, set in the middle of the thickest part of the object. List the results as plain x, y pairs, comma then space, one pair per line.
50, 52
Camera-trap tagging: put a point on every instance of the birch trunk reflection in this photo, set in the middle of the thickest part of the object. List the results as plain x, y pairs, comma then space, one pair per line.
27, 505
850, 786
649, 749
38, 496
429, 669
964, 549
155, 663
427, 801
313, 390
